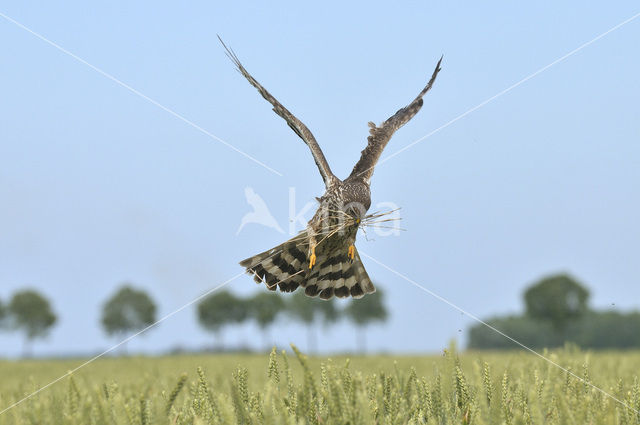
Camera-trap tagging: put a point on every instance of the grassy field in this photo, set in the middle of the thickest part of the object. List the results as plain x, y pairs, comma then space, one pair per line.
465, 388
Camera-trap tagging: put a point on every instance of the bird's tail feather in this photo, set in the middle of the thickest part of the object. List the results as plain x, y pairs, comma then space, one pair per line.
337, 275
286, 266
282, 266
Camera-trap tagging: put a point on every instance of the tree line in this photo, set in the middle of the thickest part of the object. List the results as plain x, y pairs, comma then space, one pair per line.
557, 312
131, 310
223, 309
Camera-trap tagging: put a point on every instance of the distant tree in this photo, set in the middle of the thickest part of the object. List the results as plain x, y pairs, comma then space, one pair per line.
31, 313
327, 312
264, 307
221, 309
303, 308
558, 299
128, 310
309, 310
364, 311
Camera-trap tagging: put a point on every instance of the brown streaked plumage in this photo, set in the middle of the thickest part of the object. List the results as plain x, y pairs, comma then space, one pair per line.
323, 259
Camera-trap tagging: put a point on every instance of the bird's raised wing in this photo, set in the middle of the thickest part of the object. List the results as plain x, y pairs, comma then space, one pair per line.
380, 136
296, 125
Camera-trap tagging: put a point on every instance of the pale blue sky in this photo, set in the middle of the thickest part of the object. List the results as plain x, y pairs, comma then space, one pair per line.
99, 186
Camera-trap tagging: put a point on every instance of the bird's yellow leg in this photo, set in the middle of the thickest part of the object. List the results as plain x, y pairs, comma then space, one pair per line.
352, 252
312, 257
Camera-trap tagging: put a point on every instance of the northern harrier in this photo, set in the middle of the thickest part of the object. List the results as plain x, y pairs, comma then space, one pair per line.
322, 258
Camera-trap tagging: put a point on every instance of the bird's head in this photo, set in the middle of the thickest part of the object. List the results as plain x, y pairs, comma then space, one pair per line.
355, 211
356, 200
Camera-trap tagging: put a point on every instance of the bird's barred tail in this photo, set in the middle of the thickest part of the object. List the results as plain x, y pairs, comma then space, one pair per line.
282, 266
287, 266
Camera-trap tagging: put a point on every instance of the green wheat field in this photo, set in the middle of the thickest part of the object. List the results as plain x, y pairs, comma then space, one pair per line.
452, 388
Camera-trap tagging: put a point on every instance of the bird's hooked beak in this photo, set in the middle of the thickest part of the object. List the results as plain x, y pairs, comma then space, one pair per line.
356, 213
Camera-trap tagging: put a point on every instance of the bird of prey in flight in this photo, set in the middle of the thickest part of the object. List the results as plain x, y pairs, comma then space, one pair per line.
322, 259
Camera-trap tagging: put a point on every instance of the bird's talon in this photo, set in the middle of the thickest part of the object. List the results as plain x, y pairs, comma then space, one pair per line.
312, 258
352, 252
